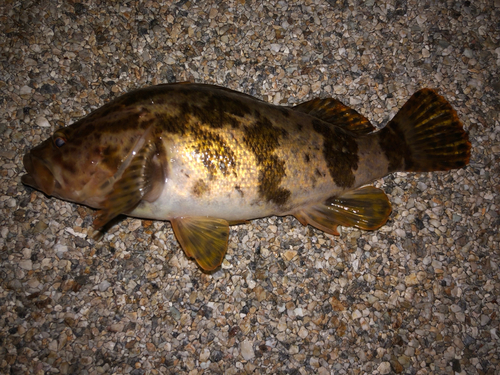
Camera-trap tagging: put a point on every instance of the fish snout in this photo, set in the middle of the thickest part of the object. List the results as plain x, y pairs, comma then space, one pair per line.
39, 176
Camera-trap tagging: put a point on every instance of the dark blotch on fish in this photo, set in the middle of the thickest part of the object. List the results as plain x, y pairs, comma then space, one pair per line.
341, 153
263, 139
200, 188
395, 148
216, 110
269, 180
238, 189
173, 124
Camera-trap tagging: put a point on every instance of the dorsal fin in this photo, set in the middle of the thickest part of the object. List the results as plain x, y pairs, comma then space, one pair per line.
334, 112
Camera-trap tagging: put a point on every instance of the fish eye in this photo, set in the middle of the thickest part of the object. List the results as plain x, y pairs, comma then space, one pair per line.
59, 142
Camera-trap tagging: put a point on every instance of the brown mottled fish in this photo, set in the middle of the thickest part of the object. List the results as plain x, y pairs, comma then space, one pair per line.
205, 157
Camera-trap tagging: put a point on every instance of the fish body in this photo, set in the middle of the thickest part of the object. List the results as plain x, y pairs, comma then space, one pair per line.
205, 157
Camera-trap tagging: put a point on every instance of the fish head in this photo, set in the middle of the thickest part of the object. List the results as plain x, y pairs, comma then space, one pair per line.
81, 162
71, 166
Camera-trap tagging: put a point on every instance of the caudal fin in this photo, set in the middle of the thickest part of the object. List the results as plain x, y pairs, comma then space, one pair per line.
425, 135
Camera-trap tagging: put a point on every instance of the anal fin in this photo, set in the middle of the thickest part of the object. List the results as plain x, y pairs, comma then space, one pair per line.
203, 238
366, 208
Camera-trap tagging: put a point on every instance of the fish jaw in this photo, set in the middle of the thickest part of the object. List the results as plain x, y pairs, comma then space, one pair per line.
39, 176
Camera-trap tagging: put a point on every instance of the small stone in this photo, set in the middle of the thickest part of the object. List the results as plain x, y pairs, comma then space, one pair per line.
42, 122
86, 360
404, 360
15, 285
340, 89
246, 349
213, 13
303, 332
216, 356
336, 304
116, 327
26, 264
384, 368
104, 285
60, 250
80, 242
411, 280
314, 362
357, 314
365, 324
204, 355
40, 227
25, 90
175, 313
485, 319
260, 293
289, 254
281, 325
53, 345
33, 283
275, 47
396, 366
134, 225
421, 186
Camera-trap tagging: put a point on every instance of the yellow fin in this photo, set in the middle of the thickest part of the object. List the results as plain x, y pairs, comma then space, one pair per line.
334, 112
203, 238
366, 208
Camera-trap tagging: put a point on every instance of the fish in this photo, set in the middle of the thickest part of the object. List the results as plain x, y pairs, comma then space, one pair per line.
206, 157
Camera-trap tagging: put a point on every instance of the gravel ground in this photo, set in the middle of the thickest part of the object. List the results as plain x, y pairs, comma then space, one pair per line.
418, 296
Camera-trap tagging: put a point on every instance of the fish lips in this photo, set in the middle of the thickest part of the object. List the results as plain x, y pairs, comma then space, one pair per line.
39, 176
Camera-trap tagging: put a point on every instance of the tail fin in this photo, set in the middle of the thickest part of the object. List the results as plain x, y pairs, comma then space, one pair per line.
427, 134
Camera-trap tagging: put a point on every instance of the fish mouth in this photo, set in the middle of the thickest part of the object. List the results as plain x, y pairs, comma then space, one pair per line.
39, 176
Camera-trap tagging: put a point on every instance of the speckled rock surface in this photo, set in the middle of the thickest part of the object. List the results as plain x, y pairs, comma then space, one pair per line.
418, 296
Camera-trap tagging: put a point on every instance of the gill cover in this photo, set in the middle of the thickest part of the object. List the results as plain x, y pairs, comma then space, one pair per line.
140, 176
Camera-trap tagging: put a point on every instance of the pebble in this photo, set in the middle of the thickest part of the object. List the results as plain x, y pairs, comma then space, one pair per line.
303, 332
247, 351
356, 314
42, 122
26, 264
384, 368
104, 285
289, 255
25, 90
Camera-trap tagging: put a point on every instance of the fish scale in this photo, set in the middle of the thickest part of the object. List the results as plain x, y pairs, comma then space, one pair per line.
205, 157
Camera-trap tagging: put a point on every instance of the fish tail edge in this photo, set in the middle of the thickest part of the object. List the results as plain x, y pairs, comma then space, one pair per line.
425, 135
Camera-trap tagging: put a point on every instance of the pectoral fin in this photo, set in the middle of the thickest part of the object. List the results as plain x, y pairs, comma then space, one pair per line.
203, 238
366, 208
137, 180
